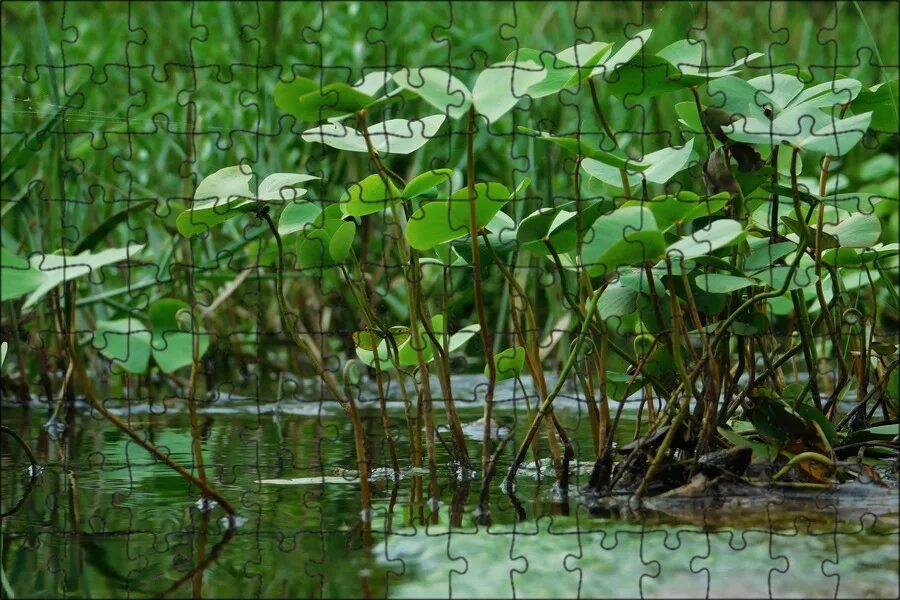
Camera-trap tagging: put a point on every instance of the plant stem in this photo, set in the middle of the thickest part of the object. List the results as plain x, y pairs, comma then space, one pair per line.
300, 339
482, 315
595, 100
545, 406
415, 302
813, 456
362, 300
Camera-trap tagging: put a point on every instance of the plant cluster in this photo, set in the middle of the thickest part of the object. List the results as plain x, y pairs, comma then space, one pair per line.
678, 295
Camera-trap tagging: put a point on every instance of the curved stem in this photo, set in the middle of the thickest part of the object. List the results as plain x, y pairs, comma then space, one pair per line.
813, 456
300, 339
25, 447
595, 100
544, 408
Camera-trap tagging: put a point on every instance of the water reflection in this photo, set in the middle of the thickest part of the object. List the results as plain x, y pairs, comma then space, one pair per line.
106, 520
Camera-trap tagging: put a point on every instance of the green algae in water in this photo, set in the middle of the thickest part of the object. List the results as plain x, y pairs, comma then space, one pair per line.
565, 557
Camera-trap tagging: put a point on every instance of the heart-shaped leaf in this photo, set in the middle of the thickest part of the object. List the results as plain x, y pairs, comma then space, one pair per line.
332, 100
881, 100
802, 127
283, 186
296, 216
627, 236
126, 342
857, 231
508, 363
500, 86
172, 346
656, 167
703, 242
557, 226
438, 88
621, 55
341, 242
226, 194
369, 196
562, 70
425, 182
677, 66
440, 221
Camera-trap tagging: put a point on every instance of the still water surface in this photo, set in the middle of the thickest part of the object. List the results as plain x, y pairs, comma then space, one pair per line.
137, 532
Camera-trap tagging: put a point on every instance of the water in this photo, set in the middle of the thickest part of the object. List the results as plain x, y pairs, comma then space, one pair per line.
137, 530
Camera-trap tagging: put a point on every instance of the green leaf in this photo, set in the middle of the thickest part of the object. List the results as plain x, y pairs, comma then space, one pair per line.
296, 216
775, 276
313, 246
811, 413
717, 283
881, 101
627, 236
336, 135
462, 337
172, 347
4, 346
779, 90
500, 86
126, 342
17, 276
737, 97
369, 196
425, 182
58, 268
879, 432
221, 196
617, 300
687, 112
760, 451
621, 55
342, 242
683, 207
562, 70
803, 127
702, 242
438, 88
677, 66
857, 231
437, 222
226, 194
366, 343
287, 94
332, 100
656, 167
508, 363
828, 94
558, 226
401, 136
395, 136
283, 186
763, 253
580, 148
776, 422
750, 324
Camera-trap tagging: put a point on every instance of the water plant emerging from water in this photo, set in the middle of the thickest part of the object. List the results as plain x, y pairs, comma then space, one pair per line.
693, 276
